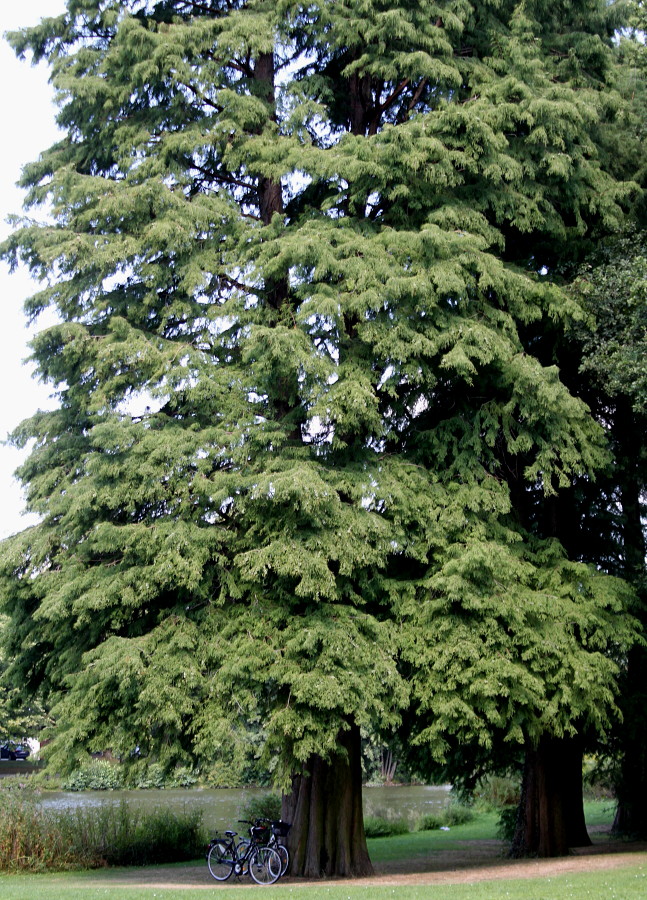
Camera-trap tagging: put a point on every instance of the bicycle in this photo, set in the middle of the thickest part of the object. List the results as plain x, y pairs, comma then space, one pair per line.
261, 862
278, 829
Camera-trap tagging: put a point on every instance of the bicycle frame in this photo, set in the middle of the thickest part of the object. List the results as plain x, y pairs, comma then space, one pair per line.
262, 863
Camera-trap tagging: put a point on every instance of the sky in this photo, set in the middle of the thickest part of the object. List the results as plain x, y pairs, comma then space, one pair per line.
27, 113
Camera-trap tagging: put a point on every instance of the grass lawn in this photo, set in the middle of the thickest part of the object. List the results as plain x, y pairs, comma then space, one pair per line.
185, 882
624, 884
481, 828
599, 812
421, 843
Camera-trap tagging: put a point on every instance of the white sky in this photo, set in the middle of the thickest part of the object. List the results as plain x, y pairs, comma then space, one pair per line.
27, 114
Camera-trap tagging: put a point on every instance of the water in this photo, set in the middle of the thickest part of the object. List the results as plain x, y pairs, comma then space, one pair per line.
407, 801
221, 808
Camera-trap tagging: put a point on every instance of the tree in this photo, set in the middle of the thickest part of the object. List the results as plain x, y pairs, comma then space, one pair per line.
290, 260
614, 291
21, 716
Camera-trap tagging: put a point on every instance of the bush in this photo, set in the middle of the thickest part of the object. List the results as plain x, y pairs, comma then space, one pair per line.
95, 775
261, 806
123, 836
119, 835
499, 791
380, 826
457, 814
145, 775
430, 823
152, 778
507, 823
183, 777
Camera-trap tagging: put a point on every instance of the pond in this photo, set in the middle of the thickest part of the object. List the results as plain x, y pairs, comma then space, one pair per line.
221, 807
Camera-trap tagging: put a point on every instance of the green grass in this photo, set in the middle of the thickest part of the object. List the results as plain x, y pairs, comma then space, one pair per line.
481, 828
421, 843
599, 812
627, 883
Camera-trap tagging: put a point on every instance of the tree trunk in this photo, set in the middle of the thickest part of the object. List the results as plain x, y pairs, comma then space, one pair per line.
551, 811
325, 809
631, 784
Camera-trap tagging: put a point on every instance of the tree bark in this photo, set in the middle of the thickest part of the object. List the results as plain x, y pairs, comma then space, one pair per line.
631, 785
325, 809
270, 195
631, 782
551, 813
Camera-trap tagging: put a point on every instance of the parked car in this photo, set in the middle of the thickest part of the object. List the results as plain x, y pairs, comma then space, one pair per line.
18, 752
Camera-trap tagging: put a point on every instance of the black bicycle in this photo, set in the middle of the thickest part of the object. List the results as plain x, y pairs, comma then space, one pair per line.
278, 831
255, 858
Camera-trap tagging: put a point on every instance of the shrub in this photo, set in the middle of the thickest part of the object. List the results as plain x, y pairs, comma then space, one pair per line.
507, 823
261, 806
430, 823
146, 775
183, 777
380, 826
95, 775
31, 838
123, 836
153, 777
457, 814
498, 791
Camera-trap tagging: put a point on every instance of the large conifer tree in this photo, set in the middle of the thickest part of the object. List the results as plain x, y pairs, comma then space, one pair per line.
613, 287
291, 263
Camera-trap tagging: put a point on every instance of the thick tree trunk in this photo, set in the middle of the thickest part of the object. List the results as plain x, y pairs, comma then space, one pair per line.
270, 195
551, 812
325, 809
631, 784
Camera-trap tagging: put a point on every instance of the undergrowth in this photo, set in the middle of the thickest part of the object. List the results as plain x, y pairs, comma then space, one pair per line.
452, 815
111, 834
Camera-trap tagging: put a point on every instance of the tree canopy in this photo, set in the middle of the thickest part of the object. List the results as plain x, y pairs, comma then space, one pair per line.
296, 258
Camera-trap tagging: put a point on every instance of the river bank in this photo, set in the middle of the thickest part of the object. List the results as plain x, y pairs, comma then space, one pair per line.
438, 866
221, 807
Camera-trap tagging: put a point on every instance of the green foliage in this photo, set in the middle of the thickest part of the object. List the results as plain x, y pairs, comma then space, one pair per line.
612, 287
183, 776
104, 775
380, 826
95, 775
152, 777
492, 647
308, 427
430, 822
458, 814
497, 791
33, 838
261, 806
127, 837
453, 815
22, 714
384, 759
614, 292
507, 823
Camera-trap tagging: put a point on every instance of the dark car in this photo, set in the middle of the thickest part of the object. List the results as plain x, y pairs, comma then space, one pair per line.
19, 752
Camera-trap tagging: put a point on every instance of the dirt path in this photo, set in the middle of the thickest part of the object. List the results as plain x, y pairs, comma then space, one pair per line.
479, 861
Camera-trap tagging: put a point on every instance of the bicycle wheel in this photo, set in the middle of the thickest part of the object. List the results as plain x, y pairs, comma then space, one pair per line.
282, 851
241, 852
265, 865
220, 861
